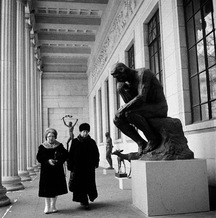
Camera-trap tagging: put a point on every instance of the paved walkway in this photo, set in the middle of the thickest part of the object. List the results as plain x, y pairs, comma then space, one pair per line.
112, 202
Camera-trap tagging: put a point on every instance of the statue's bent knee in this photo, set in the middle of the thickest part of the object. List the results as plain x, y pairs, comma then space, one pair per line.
129, 115
118, 121
132, 117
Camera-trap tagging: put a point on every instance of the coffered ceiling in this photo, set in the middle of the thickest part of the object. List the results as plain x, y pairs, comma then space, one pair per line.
66, 32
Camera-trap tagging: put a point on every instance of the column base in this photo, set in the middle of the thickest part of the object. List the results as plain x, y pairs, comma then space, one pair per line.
24, 175
4, 200
31, 171
35, 167
12, 183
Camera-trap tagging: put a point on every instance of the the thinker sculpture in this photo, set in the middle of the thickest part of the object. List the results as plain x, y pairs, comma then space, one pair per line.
146, 109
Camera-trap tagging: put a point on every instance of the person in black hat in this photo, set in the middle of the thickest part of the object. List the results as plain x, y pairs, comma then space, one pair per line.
82, 162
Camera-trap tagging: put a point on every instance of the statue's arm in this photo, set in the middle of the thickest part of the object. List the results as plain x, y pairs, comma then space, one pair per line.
65, 122
75, 122
134, 102
145, 83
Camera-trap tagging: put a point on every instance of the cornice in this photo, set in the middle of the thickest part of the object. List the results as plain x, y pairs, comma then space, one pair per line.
124, 15
62, 75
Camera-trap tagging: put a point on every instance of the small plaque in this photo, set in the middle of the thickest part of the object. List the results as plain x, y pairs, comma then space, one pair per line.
120, 175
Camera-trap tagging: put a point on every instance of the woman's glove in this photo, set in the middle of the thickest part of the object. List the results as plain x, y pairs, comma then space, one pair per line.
52, 162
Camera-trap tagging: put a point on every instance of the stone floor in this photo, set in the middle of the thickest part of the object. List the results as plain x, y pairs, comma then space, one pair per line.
111, 202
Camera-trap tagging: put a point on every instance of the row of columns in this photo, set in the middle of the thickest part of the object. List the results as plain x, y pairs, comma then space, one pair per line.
20, 98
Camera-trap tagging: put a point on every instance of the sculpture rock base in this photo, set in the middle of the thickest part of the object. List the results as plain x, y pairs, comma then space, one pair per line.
174, 144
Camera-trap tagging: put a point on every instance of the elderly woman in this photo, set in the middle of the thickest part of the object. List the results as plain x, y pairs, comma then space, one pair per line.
52, 155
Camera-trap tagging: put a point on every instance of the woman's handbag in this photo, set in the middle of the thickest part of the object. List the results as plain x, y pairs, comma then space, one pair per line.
71, 182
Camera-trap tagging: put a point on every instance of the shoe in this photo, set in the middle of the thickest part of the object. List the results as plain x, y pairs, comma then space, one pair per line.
54, 211
47, 212
110, 168
85, 205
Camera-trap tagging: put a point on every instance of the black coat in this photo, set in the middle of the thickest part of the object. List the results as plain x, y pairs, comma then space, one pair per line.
52, 178
82, 161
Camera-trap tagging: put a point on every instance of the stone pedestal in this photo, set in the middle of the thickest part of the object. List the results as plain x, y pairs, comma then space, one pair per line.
121, 175
170, 187
108, 171
124, 183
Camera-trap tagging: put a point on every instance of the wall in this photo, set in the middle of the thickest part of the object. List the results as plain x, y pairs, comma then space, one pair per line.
62, 95
201, 137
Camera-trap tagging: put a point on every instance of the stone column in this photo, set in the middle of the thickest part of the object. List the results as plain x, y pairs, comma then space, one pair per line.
37, 135
40, 105
33, 105
37, 111
21, 86
4, 200
10, 178
29, 136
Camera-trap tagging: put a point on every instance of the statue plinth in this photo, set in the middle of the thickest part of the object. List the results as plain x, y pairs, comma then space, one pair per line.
170, 187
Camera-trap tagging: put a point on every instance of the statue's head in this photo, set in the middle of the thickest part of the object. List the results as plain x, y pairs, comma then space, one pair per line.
107, 134
118, 71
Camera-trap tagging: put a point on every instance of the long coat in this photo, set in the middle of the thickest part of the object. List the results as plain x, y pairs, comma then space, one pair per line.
52, 178
82, 161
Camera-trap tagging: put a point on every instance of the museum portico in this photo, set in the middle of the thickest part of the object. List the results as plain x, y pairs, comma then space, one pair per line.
43, 79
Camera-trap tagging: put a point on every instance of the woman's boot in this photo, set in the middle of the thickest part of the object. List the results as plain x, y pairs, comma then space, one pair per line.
53, 205
47, 205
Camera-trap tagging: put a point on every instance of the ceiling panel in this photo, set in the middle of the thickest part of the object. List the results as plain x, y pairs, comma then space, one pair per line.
66, 32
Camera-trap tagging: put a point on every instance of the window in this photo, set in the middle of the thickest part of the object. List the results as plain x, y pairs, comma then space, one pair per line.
117, 106
95, 118
107, 102
131, 61
100, 116
154, 45
200, 33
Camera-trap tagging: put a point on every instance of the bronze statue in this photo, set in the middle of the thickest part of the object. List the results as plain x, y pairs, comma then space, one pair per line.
146, 109
120, 161
109, 147
144, 98
121, 157
70, 126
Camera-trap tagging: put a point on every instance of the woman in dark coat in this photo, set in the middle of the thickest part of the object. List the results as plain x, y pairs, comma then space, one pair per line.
82, 161
52, 155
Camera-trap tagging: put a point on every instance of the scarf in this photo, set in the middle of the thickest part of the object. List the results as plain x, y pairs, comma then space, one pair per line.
82, 139
46, 144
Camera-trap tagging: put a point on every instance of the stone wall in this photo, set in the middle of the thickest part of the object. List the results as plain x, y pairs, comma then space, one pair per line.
63, 95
